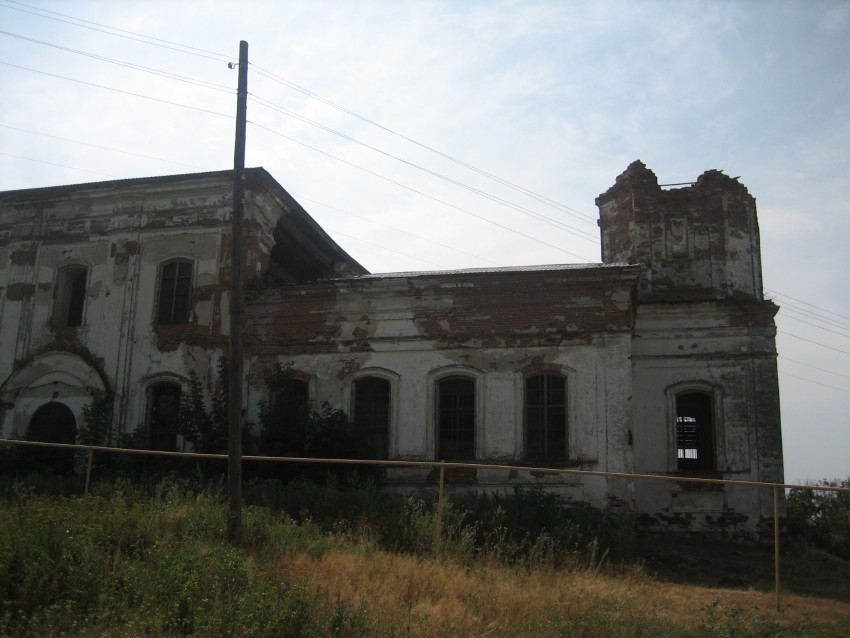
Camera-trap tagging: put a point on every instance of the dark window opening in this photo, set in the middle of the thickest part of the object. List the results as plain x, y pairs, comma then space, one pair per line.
163, 413
372, 416
291, 411
52, 423
456, 419
546, 418
70, 297
694, 432
175, 292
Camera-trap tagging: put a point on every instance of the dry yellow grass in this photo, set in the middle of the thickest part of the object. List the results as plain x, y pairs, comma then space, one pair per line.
402, 595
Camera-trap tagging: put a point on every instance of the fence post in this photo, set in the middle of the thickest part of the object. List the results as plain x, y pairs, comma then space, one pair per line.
438, 528
776, 544
88, 471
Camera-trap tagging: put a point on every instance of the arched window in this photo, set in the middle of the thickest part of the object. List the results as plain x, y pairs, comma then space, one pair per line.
456, 418
175, 292
546, 417
53, 423
372, 416
70, 297
163, 412
694, 431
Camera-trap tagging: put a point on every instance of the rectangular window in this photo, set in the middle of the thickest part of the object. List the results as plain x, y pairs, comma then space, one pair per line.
546, 418
694, 432
456, 419
372, 416
175, 292
291, 412
70, 297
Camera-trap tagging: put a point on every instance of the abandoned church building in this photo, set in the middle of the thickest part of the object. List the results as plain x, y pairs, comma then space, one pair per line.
661, 359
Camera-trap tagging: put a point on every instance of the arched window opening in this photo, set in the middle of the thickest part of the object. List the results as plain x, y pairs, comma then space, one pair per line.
546, 418
70, 297
694, 431
372, 416
456, 418
175, 292
53, 423
163, 413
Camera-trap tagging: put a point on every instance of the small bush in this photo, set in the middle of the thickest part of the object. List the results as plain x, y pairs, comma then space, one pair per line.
821, 518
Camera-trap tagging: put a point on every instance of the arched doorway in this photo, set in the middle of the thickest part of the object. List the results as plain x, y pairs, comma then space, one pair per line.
53, 423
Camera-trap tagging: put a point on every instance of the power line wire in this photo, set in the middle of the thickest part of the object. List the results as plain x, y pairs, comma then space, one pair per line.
814, 325
418, 192
187, 49
129, 65
301, 198
397, 252
150, 40
116, 32
109, 88
822, 345
823, 385
169, 102
525, 211
780, 294
103, 148
808, 314
73, 168
808, 365
272, 76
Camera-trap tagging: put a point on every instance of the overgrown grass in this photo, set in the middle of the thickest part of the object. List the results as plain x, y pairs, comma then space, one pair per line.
343, 560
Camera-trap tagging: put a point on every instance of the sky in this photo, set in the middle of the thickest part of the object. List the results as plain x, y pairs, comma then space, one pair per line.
438, 135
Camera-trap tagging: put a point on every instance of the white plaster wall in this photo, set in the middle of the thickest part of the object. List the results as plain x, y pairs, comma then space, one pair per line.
599, 405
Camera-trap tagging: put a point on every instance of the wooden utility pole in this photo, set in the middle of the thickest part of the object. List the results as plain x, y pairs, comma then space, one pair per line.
234, 447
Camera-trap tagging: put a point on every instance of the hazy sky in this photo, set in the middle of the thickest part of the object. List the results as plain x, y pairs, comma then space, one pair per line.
555, 98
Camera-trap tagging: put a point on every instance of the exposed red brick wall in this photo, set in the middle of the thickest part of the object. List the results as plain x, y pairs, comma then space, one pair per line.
455, 310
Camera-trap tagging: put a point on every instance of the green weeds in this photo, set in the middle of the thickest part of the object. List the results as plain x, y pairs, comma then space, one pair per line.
142, 560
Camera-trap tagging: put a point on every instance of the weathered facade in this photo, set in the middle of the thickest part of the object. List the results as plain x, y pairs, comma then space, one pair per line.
660, 359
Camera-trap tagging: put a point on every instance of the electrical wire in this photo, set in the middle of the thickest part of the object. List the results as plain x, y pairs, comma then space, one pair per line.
186, 49
808, 365
813, 314
120, 33
272, 76
129, 65
122, 91
525, 211
814, 325
172, 103
418, 192
301, 198
822, 345
73, 168
780, 294
823, 385
103, 148
391, 250
821, 319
